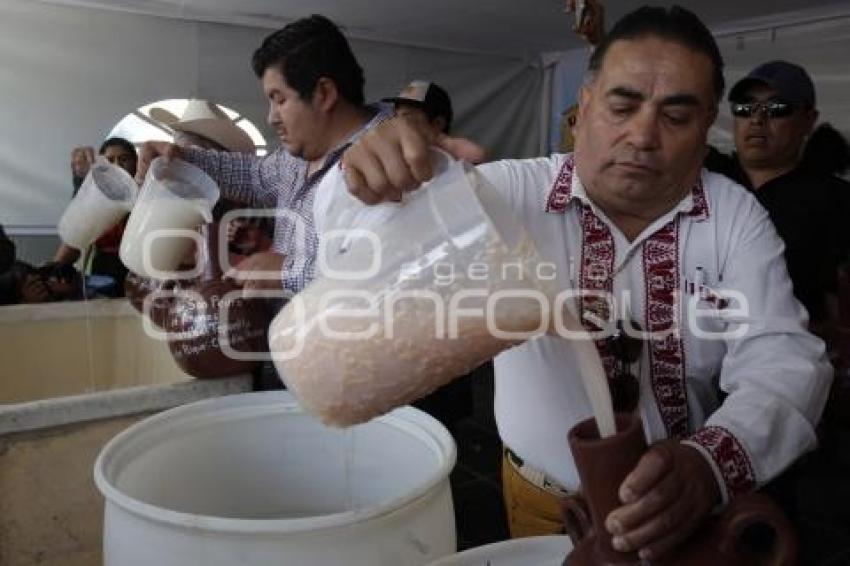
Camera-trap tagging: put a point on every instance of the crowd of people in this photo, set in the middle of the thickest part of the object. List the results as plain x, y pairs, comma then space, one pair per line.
643, 205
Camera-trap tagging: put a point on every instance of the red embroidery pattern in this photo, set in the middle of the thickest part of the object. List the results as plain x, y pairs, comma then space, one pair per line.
699, 211
562, 188
597, 265
661, 273
731, 458
666, 351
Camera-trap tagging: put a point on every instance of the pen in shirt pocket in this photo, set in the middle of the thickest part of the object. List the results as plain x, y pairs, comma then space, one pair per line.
698, 286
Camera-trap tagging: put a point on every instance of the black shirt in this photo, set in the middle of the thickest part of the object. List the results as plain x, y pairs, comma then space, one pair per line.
806, 207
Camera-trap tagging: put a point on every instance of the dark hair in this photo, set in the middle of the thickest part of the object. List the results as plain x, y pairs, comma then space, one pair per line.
120, 142
827, 151
675, 24
307, 50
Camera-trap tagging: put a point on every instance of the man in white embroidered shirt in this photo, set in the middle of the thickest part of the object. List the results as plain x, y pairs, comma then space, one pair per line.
637, 216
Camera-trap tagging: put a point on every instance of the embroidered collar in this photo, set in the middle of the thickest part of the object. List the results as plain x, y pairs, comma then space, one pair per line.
567, 187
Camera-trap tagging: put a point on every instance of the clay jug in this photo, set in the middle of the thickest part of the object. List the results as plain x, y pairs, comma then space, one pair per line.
137, 288
736, 538
199, 309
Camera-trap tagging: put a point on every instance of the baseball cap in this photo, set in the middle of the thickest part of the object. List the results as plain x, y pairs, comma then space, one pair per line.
426, 95
791, 82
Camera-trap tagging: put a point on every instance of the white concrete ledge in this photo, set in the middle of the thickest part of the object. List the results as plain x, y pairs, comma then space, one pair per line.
46, 413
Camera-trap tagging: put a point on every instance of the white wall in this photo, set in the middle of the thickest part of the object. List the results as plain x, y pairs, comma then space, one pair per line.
68, 74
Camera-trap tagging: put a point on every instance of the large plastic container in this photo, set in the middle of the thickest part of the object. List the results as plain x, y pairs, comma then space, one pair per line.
251, 479
409, 296
530, 551
176, 198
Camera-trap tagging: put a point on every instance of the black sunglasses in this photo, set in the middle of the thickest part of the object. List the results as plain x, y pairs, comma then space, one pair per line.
627, 349
770, 109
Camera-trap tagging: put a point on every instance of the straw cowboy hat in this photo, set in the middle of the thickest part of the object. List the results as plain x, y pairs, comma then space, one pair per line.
206, 119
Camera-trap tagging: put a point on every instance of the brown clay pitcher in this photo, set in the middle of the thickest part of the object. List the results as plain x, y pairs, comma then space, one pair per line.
195, 316
137, 288
751, 531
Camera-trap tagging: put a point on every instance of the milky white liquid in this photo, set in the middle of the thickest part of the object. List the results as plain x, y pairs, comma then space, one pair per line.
166, 252
349, 380
596, 386
87, 218
401, 354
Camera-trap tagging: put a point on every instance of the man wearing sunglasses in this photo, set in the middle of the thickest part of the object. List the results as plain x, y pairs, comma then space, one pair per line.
774, 111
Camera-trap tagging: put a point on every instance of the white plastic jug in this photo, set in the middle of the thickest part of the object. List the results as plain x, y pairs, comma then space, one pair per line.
253, 480
409, 296
107, 194
529, 551
175, 198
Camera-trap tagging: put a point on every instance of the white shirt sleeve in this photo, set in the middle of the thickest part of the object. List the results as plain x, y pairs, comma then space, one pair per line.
775, 373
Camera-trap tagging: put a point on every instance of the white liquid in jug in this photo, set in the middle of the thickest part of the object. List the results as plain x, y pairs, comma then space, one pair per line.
150, 216
83, 222
366, 366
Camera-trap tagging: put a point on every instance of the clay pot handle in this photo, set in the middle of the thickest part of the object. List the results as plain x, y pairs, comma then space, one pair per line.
755, 509
576, 514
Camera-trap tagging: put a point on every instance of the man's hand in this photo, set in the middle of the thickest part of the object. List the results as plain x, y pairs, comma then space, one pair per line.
591, 25
82, 158
150, 151
665, 498
269, 263
395, 157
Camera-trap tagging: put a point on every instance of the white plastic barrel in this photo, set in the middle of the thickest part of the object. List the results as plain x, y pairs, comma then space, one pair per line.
529, 551
252, 479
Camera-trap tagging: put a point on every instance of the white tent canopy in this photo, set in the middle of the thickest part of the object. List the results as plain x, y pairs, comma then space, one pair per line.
816, 38
73, 68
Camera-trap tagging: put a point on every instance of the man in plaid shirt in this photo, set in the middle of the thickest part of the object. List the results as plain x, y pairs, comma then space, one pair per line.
314, 86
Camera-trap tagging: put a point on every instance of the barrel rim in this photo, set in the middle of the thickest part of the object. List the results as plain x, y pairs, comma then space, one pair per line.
413, 421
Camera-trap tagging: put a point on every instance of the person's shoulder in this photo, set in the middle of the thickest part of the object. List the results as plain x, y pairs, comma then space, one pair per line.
725, 192
546, 167
280, 159
732, 205
836, 182
528, 180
